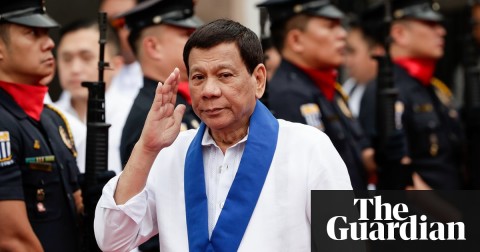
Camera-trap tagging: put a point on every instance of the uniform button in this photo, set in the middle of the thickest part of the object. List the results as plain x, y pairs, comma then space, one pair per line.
220, 169
61, 166
69, 196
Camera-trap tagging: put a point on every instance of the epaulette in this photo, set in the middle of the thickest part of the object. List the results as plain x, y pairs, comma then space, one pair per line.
340, 90
70, 141
440, 86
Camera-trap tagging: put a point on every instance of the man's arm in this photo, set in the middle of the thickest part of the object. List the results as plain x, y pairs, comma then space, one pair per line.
161, 129
16, 233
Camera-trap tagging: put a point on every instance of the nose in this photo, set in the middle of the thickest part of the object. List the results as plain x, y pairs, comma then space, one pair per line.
341, 32
211, 89
48, 45
440, 30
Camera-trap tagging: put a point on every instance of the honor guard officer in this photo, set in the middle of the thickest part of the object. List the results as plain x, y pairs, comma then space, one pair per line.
159, 30
303, 89
39, 191
431, 123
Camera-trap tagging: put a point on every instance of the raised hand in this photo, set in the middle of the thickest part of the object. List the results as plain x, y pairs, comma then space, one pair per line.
162, 125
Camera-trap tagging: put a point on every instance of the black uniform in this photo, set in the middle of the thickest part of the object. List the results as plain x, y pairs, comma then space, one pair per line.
138, 114
37, 165
432, 128
293, 96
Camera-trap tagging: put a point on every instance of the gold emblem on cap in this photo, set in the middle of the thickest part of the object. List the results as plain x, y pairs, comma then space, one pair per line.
157, 19
398, 14
435, 6
298, 8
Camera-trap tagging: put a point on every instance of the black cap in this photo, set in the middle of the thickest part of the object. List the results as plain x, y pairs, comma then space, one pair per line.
281, 10
26, 12
416, 9
154, 12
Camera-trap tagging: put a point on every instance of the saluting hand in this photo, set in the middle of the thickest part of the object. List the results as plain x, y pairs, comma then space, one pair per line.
162, 125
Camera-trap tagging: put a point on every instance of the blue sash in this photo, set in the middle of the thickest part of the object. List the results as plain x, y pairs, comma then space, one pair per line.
243, 195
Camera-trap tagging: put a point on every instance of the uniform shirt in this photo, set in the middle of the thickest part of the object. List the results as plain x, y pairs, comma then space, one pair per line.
432, 128
128, 81
304, 160
138, 114
37, 165
117, 107
293, 96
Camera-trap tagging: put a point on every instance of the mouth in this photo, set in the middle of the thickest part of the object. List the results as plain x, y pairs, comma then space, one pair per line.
49, 60
213, 111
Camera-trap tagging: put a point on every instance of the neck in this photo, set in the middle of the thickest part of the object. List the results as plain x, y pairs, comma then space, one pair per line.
226, 139
80, 106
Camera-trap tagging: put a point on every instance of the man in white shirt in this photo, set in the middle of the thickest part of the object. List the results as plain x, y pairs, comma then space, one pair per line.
78, 55
241, 181
362, 67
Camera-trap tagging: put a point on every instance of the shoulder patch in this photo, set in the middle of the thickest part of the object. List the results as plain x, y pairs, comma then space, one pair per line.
313, 116
344, 107
66, 135
443, 92
339, 89
5, 149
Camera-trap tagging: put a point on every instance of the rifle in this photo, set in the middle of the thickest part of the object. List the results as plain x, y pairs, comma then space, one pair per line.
385, 121
97, 142
472, 99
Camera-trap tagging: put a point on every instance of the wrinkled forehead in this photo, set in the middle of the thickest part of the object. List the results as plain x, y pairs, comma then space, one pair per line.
223, 54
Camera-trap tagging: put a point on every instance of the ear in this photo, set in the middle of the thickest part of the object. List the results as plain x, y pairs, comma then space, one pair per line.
260, 75
2, 49
151, 47
398, 33
377, 50
294, 40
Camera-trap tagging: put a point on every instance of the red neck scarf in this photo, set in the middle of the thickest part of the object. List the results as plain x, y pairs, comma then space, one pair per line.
324, 79
420, 69
185, 91
28, 97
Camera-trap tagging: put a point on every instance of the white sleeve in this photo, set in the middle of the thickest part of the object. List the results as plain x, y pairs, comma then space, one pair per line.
326, 169
124, 227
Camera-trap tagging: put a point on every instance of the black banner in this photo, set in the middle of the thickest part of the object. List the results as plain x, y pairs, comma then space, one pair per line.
374, 221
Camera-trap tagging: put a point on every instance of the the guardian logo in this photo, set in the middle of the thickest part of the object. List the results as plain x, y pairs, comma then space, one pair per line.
391, 223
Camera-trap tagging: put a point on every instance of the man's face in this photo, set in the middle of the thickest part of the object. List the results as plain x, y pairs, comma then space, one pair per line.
172, 40
423, 39
272, 61
359, 62
322, 43
78, 55
476, 20
27, 56
223, 92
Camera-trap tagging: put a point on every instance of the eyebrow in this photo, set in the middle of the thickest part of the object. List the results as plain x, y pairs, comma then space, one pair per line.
221, 66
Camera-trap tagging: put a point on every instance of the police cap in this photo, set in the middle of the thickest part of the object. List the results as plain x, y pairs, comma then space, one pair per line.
26, 12
281, 10
154, 12
416, 9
